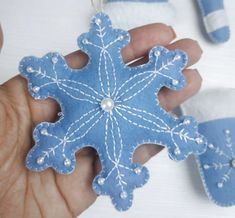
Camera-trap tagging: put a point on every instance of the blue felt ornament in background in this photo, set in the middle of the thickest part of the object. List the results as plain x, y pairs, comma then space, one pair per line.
110, 107
217, 164
131, 13
215, 20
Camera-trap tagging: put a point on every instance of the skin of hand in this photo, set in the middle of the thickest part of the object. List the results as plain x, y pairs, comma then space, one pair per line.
25, 194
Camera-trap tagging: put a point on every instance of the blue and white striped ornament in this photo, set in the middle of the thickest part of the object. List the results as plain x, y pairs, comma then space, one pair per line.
215, 20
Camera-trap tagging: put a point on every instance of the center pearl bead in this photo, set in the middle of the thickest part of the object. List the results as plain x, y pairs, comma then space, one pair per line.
107, 104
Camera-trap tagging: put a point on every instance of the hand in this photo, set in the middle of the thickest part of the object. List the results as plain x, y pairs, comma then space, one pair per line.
47, 194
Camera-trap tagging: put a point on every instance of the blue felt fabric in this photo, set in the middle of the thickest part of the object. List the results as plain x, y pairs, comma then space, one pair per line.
136, 117
216, 165
208, 7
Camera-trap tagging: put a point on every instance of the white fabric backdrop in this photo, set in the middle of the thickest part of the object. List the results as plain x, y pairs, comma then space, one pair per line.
175, 189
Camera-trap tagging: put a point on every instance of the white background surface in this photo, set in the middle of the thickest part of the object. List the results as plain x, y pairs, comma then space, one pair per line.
174, 190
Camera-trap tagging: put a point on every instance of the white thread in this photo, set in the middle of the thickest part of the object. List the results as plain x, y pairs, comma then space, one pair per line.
143, 118
134, 85
139, 125
82, 84
106, 140
144, 111
82, 125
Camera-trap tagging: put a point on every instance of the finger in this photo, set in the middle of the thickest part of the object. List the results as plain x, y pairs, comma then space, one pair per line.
191, 47
144, 152
170, 99
40, 110
142, 39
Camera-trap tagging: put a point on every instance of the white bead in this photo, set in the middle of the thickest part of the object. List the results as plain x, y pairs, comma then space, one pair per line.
123, 195
137, 170
187, 121
107, 104
206, 166
36, 89
227, 131
199, 140
175, 82
44, 131
101, 181
211, 146
60, 114
67, 162
220, 185
29, 69
97, 21
85, 41
40, 160
177, 151
120, 37
233, 163
157, 53
54, 60
177, 57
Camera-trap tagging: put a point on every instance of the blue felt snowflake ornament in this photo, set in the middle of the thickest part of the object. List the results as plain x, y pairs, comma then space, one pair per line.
111, 107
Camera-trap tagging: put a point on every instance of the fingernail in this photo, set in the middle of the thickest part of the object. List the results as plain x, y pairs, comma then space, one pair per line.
172, 32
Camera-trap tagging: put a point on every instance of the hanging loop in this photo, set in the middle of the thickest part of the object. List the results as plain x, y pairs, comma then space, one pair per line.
98, 5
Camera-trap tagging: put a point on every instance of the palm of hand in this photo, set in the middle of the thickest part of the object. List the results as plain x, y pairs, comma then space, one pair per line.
47, 194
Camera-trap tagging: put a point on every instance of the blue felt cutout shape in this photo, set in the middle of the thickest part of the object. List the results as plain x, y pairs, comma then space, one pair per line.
110, 107
217, 164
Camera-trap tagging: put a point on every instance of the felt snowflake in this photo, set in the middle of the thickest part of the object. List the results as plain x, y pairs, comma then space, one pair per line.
111, 107
217, 164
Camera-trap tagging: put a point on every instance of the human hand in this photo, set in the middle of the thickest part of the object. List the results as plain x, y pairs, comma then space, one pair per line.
47, 194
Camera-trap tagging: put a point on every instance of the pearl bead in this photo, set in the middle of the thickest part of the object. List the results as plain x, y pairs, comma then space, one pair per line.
206, 166
29, 69
67, 162
40, 160
107, 104
101, 181
187, 121
177, 151
60, 114
175, 82
123, 195
177, 57
120, 37
233, 163
220, 185
137, 170
211, 146
44, 131
36, 89
227, 131
157, 53
54, 60
85, 41
97, 21
199, 140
